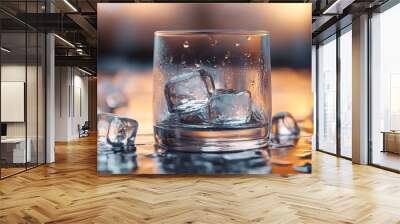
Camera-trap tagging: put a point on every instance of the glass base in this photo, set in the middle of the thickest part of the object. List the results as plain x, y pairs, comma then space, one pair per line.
210, 139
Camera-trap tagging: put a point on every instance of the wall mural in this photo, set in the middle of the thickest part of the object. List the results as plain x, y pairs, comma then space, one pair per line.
204, 88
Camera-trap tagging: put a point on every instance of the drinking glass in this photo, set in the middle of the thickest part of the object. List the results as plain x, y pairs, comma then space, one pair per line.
212, 90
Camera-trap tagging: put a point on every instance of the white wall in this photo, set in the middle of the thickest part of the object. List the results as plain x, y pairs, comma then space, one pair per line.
13, 73
33, 127
62, 81
80, 110
71, 94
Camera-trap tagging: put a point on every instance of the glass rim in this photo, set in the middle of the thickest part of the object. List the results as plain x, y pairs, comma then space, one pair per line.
211, 32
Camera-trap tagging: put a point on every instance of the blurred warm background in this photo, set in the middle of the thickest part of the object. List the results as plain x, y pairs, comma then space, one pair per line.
125, 44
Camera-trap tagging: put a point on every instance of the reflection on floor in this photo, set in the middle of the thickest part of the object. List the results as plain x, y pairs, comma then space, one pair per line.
387, 159
11, 169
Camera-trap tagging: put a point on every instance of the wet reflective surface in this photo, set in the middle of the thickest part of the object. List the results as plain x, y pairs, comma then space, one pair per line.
145, 158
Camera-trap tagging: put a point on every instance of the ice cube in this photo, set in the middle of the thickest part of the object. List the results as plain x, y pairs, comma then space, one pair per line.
230, 107
285, 126
103, 124
122, 132
189, 91
199, 116
306, 168
116, 99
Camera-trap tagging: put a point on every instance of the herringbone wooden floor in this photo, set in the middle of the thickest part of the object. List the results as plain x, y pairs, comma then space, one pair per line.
70, 191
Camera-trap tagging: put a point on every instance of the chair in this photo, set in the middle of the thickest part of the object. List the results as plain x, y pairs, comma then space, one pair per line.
84, 130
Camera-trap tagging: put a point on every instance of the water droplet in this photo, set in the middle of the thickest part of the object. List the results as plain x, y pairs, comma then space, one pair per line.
227, 55
197, 65
237, 44
186, 44
249, 38
213, 42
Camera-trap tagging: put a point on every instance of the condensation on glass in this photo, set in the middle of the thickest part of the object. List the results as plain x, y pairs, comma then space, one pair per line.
212, 90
